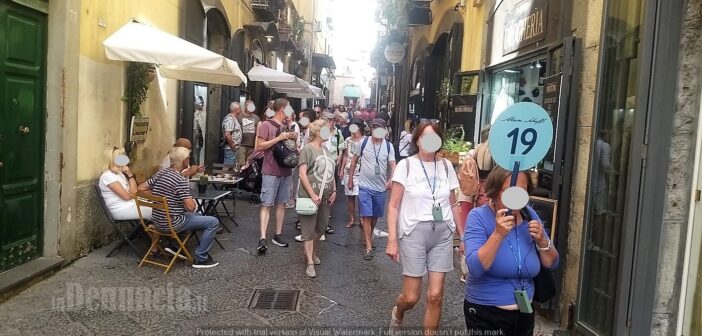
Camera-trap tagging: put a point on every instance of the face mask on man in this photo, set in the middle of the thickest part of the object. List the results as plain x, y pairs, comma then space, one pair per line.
304, 121
379, 133
251, 107
270, 113
354, 128
289, 111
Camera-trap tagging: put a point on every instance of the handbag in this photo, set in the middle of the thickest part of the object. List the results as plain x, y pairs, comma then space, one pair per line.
544, 282
305, 206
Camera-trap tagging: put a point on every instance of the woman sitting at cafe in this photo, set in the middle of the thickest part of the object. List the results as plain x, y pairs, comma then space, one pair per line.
117, 186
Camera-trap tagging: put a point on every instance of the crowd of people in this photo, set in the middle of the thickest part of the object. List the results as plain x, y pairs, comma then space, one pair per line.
306, 157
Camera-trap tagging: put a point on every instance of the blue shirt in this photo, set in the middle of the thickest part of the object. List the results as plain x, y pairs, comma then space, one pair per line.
495, 286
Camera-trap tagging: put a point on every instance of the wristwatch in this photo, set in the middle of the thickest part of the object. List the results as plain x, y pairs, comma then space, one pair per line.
543, 249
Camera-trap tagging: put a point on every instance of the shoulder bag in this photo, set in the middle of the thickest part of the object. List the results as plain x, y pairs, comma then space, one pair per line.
305, 206
544, 282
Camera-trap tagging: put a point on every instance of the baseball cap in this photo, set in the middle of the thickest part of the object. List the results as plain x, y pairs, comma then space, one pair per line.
378, 122
358, 122
328, 115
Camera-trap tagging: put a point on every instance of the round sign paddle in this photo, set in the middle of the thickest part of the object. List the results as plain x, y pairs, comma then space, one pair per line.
519, 139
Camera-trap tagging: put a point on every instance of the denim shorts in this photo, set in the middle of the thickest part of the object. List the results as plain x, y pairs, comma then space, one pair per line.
229, 157
371, 203
275, 190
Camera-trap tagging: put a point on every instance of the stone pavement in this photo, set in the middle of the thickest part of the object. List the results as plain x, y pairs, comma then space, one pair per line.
111, 296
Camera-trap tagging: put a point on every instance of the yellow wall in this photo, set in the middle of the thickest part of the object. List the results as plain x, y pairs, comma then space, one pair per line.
473, 29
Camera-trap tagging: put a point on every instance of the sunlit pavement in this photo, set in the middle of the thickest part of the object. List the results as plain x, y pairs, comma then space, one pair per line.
111, 296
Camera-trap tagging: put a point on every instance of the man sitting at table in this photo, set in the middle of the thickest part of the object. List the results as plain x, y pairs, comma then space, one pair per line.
172, 185
187, 170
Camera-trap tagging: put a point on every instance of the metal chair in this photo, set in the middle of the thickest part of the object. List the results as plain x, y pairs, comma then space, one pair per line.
134, 231
160, 203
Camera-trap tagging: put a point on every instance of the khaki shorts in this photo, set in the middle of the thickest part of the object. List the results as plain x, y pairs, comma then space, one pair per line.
427, 250
313, 226
242, 155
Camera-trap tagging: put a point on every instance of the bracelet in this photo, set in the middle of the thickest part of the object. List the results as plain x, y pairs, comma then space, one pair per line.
543, 249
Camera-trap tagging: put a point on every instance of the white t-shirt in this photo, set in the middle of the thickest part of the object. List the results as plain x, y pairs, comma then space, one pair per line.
165, 163
417, 200
114, 203
404, 145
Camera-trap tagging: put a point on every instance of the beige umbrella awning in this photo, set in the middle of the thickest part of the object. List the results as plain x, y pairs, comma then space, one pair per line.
281, 82
176, 58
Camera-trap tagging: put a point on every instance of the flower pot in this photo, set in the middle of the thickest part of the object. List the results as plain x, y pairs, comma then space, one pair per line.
202, 188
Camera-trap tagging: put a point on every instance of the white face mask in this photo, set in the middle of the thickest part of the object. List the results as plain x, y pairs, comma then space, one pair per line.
304, 121
121, 160
379, 133
251, 108
270, 113
353, 128
325, 133
430, 143
289, 111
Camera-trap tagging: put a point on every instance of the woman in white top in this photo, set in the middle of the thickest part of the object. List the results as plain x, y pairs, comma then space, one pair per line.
117, 186
405, 143
351, 146
421, 210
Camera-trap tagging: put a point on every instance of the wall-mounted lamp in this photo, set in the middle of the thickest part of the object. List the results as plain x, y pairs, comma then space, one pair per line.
269, 38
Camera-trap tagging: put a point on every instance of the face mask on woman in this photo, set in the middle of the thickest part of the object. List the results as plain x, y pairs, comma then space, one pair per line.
431, 143
304, 121
354, 128
325, 133
288, 111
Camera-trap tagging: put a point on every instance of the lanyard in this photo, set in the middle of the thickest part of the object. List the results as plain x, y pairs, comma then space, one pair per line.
377, 153
431, 187
517, 256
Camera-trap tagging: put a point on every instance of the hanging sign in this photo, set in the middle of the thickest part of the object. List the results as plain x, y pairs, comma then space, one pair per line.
394, 53
523, 134
139, 129
465, 103
552, 91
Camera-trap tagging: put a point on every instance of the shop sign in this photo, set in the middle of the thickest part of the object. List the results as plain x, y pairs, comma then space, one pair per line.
525, 24
552, 92
139, 129
465, 103
394, 53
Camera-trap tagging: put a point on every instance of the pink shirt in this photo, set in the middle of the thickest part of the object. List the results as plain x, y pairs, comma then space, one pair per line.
269, 131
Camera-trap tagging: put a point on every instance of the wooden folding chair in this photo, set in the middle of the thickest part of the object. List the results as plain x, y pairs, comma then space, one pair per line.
160, 203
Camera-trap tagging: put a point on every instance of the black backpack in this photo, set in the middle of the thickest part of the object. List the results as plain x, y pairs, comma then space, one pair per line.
285, 152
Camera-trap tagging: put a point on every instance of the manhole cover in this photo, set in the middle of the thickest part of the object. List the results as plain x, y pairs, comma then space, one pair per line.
273, 299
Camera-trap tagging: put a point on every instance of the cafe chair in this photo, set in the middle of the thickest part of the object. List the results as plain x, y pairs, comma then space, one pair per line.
160, 203
131, 225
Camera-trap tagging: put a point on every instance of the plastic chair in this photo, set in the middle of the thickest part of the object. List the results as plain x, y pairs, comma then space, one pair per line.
124, 238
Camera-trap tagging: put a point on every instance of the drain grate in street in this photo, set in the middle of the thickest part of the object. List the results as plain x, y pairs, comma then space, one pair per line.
273, 299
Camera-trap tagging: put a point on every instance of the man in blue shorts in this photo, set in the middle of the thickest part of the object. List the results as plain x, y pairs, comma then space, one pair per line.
377, 159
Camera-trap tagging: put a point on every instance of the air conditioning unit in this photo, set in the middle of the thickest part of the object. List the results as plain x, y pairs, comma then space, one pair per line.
317, 26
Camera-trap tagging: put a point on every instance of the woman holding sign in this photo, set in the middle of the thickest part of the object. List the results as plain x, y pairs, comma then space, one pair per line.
420, 225
505, 250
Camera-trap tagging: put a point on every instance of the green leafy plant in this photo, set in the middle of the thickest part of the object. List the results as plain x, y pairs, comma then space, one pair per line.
137, 86
445, 91
393, 13
203, 180
298, 28
453, 141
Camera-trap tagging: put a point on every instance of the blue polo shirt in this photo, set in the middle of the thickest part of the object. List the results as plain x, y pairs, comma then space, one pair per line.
495, 286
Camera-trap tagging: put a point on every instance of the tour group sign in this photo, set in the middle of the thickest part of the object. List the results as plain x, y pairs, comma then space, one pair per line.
519, 139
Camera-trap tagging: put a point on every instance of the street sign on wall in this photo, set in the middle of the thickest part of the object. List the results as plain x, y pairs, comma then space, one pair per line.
394, 52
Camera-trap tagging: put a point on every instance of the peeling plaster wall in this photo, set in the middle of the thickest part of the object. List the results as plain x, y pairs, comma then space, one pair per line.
680, 173
586, 24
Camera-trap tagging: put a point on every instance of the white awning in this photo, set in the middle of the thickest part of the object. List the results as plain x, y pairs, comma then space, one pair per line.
315, 93
281, 82
176, 58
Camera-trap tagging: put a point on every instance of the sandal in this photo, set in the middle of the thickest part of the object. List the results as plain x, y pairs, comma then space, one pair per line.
350, 225
329, 230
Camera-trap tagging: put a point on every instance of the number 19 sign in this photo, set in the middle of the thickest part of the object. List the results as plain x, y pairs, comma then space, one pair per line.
522, 133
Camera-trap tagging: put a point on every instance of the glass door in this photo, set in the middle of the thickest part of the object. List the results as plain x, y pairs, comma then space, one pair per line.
607, 191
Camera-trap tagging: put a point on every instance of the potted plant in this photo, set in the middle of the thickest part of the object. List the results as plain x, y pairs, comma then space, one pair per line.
202, 183
454, 146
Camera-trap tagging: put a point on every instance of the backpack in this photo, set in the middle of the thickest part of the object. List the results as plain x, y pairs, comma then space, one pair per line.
483, 159
285, 152
469, 177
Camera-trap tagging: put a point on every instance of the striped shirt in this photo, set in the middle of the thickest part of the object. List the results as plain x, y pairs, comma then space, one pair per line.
174, 186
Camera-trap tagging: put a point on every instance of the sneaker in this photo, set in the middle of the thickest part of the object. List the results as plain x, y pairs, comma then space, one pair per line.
298, 226
298, 238
290, 206
368, 255
380, 233
310, 271
316, 260
262, 246
462, 279
278, 240
173, 252
329, 230
207, 263
322, 238
395, 324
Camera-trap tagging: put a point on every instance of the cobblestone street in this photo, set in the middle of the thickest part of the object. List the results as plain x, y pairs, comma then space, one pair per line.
348, 292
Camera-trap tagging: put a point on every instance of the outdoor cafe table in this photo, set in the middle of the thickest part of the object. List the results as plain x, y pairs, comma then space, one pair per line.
219, 183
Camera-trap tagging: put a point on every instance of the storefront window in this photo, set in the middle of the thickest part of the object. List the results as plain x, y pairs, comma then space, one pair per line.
617, 111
